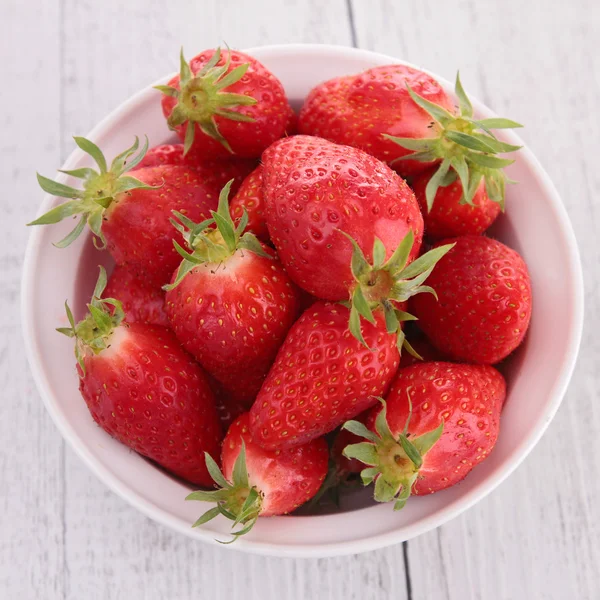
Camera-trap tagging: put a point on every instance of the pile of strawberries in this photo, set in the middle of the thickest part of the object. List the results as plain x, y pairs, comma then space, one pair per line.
266, 283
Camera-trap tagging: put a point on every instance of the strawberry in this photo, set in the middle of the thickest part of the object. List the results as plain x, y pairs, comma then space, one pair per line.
129, 213
446, 215
250, 197
403, 116
439, 420
143, 389
322, 236
233, 103
230, 302
484, 303
142, 302
257, 482
215, 173
165, 154
313, 191
322, 376
357, 110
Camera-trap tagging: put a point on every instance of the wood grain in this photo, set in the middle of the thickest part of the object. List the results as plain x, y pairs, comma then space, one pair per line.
538, 534
64, 535
32, 538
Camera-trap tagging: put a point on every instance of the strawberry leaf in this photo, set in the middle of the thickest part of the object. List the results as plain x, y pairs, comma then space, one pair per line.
440, 114
360, 429
411, 451
378, 253
215, 472
72, 235
425, 442
207, 516
434, 183
385, 490
400, 256
240, 473
368, 475
57, 189
365, 452
466, 108
361, 305
497, 123
90, 148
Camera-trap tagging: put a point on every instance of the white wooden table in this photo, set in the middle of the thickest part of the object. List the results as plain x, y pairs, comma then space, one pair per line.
64, 64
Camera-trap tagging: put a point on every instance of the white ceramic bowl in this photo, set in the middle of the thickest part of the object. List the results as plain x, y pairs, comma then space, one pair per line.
536, 224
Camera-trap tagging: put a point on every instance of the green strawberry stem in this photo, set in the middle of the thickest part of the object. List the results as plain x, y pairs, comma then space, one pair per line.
382, 285
201, 97
466, 148
393, 463
94, 331
213, 240
100, 188
236, 500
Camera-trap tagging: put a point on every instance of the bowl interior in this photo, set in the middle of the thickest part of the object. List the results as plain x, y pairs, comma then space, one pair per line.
535, 224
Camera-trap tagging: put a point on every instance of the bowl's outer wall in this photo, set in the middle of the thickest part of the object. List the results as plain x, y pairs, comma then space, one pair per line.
536, 224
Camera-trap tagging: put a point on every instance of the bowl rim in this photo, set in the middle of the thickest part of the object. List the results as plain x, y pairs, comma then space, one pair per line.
368, 542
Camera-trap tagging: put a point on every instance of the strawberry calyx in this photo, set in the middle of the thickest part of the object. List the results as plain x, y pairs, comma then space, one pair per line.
212, 240
382, 285
100, 188
93, 332
237, 500
201, 97
466, 148
393, 463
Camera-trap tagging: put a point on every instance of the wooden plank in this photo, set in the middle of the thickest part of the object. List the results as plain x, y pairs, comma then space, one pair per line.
537, 536
31, 459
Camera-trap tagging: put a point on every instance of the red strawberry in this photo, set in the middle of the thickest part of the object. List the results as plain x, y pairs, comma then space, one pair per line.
214, 173
322, 376
141, 301
250, 197
403, 116
328, 206
438, 422
449, 215
235, 104
257, 482
357, 110
484, 303
165, 154
131, 215
231, 303
144, 390
313, 191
